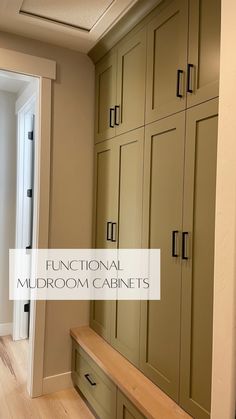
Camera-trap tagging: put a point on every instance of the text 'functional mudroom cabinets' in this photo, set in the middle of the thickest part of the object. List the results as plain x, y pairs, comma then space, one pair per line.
155, 177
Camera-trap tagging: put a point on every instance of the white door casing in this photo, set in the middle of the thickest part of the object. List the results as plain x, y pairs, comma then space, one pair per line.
24, 204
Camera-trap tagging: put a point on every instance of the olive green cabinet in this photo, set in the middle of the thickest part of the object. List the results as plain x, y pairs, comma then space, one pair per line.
155, 173
125, 409
163, 189
120, 88
166, 61
183, 51
204, 51
105, 97
105, 221
126, 314
179, 217
131, 79
98, 389
117, 223
198, 265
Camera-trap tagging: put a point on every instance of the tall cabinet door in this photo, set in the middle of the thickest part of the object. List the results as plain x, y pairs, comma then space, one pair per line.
198, 265
126, 314
163, 189
166, 61
131, 74
105, 213
204, 50
105, 94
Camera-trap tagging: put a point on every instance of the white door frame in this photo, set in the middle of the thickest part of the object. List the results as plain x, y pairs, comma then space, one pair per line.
24, 106
45, 70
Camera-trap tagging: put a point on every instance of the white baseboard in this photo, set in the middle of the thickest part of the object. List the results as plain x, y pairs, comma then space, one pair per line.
57, 382
5, 329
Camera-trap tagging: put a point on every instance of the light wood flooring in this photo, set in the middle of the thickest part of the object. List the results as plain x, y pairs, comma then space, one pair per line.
15, 403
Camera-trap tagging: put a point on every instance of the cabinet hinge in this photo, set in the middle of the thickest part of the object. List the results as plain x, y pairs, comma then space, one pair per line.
30, 135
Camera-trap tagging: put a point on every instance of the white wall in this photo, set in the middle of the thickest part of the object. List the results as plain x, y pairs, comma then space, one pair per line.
71, 181
224, 356
7, 198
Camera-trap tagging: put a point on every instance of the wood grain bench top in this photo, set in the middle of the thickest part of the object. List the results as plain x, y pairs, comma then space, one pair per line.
148, 398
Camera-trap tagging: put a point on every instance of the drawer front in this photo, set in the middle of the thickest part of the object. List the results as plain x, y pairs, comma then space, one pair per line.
125, 409
93, 383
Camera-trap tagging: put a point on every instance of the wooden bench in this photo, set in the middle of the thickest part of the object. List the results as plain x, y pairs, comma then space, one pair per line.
147, 397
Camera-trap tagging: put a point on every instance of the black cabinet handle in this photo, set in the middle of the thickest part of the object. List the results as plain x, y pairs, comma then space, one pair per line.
117, 115
184, 243
89, 379
109, 231
112, 114
189, 88
113, 232
179, 73
174, 234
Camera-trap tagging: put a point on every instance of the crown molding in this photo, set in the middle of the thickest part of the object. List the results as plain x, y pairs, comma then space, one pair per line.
139, 15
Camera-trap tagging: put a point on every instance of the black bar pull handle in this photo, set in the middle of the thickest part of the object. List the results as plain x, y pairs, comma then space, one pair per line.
117, 115
113, 232
184, 245
189, 78
109, 231
111, 120
89, 379
179, 73
174, 234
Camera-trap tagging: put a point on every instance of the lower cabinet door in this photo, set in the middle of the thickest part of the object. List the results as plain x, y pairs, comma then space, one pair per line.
125, 328
198, 265
105, 211
125, 409
163, 196
97, 388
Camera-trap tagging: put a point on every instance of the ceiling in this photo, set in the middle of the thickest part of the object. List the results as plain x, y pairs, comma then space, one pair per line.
76, 24
12, 82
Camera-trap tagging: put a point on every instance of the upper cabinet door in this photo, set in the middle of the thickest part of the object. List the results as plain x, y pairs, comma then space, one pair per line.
131, 74
166, 61
105, 97
204, 51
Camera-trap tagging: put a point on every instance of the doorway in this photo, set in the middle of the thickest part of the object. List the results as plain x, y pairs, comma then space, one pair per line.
26, 136
45, 71
18, 99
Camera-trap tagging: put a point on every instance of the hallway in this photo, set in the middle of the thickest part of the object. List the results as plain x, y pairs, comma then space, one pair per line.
14, 400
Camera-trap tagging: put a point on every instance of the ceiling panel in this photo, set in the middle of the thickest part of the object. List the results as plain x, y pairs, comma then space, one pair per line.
75, 24
78, 13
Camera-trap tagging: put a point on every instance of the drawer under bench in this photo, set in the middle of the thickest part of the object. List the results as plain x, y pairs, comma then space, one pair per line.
97, 388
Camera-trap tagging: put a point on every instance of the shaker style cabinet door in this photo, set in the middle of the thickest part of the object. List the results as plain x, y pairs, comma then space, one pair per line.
106, 194
163, 196
125, 409
126, 314
204, 51
166, 61
105, 94
105, 221
198, 259
131, 75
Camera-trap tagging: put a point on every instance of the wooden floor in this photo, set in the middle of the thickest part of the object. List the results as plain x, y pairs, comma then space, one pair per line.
14, 400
